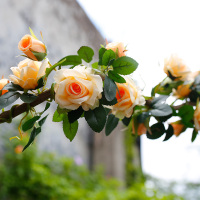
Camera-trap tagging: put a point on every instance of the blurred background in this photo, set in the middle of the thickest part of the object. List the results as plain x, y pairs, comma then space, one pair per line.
94, 166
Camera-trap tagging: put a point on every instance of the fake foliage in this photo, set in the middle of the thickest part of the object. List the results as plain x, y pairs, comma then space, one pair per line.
101, 92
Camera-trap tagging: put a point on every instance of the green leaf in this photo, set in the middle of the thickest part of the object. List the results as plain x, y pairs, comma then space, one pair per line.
30, 123
57, 117
75, 114
96, 118
32, 33
8, 98
111, 124
194, 135
108, 56
71, 60
161, 110
86, 53
158, 100
12, 87
42, 121
101, 52
126, 121
186, 112
40, 56
141, 118
95, 65
157, 130
34, 133
104, 101
169, 132
124, 65
116, 77
28, 98
109, 89
41, 81
70, 129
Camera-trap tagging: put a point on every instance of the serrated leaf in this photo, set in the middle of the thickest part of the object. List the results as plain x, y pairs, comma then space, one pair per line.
42, 121
116, 77
157, 130
109, 89
70, 129
28, 98
108, 56
111, 124
96, 118
86, 53
101, 52
161, 110
57, 117
124, 65
71, 60
34, 133
169, 133
30, 123
8, 98
75, 114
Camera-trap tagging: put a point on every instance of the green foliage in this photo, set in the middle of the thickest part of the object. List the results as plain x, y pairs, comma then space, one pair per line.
86, 53
70, 60
111, 124
157, 130
40, 56
116, 77
8, 98
28, 98
109, 89
108, 57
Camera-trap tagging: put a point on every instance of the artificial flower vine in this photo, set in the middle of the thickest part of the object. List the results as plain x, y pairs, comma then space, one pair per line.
102, 92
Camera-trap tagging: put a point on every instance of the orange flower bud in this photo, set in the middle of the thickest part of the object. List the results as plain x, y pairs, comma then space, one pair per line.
19, 149
117, 47
33, 48
141, 129
182, 91
3, 82
178, 128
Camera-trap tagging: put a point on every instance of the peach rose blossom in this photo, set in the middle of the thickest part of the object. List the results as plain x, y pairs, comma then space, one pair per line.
140, 130
178, 128
197, 117
28, 44
3, 82
117, 47
28, 72
129, 95
176, 67
77, 87
182, 91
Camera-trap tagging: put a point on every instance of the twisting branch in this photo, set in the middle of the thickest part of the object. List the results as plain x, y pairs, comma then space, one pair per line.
23, 107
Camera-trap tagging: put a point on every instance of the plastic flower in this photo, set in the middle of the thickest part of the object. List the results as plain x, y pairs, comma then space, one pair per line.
128, 95
78, 87
3, 82
175, 67
178, 128
117, 47
140, 130
28, 72
33, 48
182, 90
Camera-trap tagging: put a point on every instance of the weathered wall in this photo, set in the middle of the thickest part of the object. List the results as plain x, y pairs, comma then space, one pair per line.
65, 28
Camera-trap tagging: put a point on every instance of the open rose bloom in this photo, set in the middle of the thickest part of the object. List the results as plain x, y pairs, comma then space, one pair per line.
3, 82
128, 96
117, 47
30, 45
176, 67
77, 87
28, 72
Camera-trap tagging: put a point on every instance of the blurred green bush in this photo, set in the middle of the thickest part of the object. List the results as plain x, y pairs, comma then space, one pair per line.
32, 175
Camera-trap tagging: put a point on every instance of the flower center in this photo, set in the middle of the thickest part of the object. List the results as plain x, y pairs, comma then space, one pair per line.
120, 93
26, 42
75, 88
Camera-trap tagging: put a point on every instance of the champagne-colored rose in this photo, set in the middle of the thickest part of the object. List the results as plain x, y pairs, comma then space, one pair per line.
140, 130
77, 87
197, 117
182, 90
117, 47
128, 95
3, 82
28, 72
176, 67
178, 128
29, 45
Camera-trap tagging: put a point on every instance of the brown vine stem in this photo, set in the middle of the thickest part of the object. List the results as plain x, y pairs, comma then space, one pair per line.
23, 107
